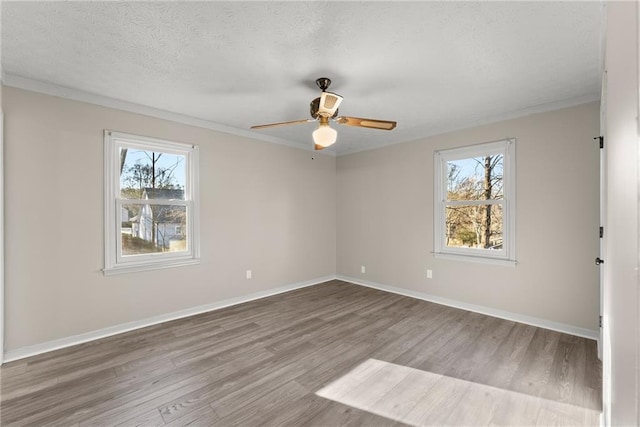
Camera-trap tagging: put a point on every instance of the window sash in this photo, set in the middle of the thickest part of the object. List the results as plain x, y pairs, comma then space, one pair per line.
172, 202
473, 202
115, 262
157, 256
441, 201
152, 145
472, 251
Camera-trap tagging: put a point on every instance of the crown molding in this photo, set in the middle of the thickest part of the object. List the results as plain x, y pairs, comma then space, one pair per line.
91, 98
104, 101
515, 114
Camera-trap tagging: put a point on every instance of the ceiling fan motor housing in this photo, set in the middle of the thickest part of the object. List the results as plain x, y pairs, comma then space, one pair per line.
325, 105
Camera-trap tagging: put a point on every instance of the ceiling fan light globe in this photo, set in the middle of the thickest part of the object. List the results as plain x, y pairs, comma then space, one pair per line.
324, 136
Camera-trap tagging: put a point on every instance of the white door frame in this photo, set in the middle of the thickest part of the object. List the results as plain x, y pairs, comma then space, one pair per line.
1, 236
603, 209
638, 278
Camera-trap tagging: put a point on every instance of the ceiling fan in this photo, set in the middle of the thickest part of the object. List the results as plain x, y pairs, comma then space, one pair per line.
325, 108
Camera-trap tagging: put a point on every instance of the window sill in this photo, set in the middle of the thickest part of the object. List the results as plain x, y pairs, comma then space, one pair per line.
135, 268
476, 259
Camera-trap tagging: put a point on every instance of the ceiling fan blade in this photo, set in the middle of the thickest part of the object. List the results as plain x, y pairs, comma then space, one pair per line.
366, 123
272, 125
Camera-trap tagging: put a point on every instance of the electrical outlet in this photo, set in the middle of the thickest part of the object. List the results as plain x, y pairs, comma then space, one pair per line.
248, 274
429, 274
363, 269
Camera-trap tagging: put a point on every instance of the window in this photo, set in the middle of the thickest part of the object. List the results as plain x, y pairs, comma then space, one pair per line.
151, 203
475, 202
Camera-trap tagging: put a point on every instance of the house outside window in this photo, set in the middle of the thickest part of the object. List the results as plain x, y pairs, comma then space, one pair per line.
151, 203
474, 201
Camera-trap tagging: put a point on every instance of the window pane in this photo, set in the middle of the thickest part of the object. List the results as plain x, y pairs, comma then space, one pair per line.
474, 226
153, 228
476, 178
151, 174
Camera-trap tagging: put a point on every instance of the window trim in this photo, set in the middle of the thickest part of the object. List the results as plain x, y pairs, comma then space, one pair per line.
506, 147
114, 263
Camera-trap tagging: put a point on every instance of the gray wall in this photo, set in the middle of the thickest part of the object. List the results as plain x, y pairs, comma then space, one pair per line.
272, 209
385, 220
264, 207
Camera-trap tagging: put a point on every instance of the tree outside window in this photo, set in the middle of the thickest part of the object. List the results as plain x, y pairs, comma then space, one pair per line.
152, 176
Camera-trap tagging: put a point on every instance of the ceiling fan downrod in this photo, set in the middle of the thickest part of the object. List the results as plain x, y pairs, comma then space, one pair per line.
323, 83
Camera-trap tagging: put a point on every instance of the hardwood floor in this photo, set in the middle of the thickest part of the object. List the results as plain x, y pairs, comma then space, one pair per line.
332, 354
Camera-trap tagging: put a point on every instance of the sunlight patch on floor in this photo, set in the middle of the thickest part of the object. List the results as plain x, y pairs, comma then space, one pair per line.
417, 397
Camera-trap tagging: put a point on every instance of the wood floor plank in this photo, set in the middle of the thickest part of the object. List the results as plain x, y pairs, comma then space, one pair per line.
338, 414
277, 343
533, 374
480, 350
501, 367
225, 341
367, 387
245, 380
47, 394
203, 417
402, 398
78, 396
136, 404
334, 367
329, 354
441, 332
439, 403
305, 409
477, 405
267, 405
264, 382
150, 418
227, 368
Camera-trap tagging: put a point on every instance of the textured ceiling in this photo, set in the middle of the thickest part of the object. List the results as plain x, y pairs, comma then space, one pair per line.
431, 66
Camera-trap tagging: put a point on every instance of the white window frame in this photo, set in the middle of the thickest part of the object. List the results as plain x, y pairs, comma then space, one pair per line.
505, 256
114, 262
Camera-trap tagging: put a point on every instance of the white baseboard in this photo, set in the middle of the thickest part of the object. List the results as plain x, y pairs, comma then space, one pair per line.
515, 317
33, 350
